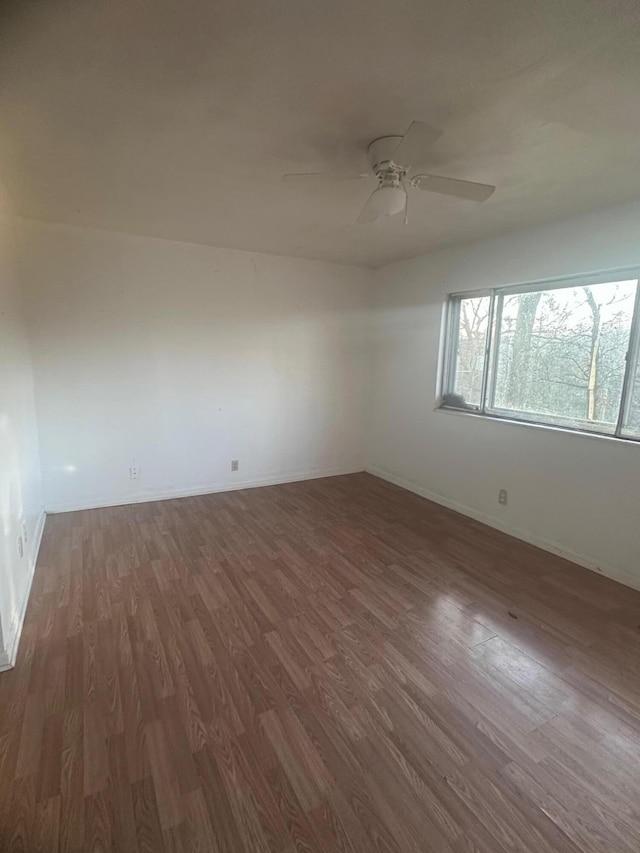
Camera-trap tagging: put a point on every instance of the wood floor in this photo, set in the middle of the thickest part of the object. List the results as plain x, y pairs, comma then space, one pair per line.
334, 665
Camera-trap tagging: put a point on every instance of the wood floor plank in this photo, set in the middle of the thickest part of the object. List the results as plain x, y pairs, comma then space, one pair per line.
164, 774
324, 666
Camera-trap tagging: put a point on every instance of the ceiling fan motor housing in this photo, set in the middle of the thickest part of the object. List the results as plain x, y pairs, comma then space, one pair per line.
380, 157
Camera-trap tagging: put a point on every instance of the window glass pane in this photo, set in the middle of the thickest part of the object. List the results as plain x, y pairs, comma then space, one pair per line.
465, 385
632, 420
560, 354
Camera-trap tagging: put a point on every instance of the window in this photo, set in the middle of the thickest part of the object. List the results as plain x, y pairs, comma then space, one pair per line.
566, 353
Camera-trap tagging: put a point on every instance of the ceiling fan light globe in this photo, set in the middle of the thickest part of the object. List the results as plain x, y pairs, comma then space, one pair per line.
389, 200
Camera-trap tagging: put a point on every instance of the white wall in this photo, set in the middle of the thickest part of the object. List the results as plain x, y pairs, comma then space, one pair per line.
576, 495
180, 358
20, 491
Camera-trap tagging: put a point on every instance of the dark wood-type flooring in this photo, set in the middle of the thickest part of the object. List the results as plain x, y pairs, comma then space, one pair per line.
335, 665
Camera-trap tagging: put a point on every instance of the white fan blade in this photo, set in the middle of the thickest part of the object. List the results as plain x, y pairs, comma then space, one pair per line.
368, 213
415, 145
452, 186
321, 176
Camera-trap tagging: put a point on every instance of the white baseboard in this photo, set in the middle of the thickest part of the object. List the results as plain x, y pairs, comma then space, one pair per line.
8, 656
202, 489
552, 547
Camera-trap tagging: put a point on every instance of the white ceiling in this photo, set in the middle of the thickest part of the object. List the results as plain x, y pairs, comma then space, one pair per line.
176, 118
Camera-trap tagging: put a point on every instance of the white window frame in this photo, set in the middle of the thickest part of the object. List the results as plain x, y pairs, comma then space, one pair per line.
487, 395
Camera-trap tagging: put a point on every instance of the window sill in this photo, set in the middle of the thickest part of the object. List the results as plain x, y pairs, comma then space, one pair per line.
617, 439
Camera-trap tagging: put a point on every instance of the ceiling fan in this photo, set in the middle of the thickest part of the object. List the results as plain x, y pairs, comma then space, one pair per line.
391, 158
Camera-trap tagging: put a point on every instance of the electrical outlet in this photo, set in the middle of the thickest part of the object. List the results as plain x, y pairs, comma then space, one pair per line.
20, 547
25, 538
234, 464
134, 472
502, 497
